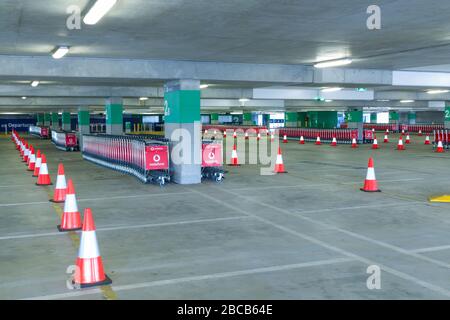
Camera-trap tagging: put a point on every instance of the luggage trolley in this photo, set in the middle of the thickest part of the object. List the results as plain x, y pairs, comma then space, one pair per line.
212, 164
157, 162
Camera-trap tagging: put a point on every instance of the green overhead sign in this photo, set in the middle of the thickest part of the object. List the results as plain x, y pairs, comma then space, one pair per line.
447, 113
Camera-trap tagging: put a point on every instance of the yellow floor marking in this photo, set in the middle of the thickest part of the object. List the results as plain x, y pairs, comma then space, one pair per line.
107, 291
443, 198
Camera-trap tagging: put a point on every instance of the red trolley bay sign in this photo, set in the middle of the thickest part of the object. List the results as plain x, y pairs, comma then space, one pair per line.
211, 155
156, 158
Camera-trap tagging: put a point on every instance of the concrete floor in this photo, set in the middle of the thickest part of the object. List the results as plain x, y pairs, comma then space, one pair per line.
307, 234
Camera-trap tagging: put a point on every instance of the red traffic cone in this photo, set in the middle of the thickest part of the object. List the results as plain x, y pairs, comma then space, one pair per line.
301, 141
258, 136
420, 133
427, 139
285, 139
370, 184
89, 271
26, 152
206, 132
30, 148
279, 165
272, 137
387, 131
234, 134
37, 165
375, 143
403, 131
318, 141
407, 140
225, 133
373, 129
59, 195
234, 157
400, 145
354, 143
71, 218
386, 138
246, 135
333, 142
440, 147
32, 160
43, 177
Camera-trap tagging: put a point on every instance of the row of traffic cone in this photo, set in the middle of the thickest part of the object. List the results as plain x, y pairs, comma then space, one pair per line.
279, 164
89, 265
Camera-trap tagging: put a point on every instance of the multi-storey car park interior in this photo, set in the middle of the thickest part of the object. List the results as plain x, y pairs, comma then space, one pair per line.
224, 149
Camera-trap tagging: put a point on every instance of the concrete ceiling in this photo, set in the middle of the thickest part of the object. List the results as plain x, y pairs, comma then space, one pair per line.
249, 44
414, 33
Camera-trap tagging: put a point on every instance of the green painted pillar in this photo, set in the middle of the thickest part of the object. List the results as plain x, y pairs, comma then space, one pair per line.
247, 119
291, 119
355, 121
182, 127
412, 117
114, 116
84, 124
66, 125
394, 119
40, 119
55, 121
47, 119
214, 118
373, 117
301, 119
447, 117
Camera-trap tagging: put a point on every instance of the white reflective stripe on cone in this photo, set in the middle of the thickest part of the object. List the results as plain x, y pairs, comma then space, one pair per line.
43, 169
70, 205
400, 142
375, 141
234, 154
38, 162
32, 158
61, 182
370, 174
279, 159
88, 245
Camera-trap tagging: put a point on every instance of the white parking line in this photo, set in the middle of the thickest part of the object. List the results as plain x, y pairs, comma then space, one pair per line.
323, 244
140, 226
213, 276
431, 249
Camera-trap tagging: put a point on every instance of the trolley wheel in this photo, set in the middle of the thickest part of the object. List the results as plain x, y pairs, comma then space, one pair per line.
162, 181
219, 177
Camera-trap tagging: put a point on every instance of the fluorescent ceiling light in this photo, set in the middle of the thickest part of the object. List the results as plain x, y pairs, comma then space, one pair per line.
437, 91
143, 98
331, 89
23, 98
361, 89
98, 10
333, 63
328, 100
35, 83
60, 52
406, 101
383, 100
243, 100
204, 86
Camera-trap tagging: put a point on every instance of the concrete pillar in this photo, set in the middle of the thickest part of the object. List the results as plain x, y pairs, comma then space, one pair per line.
66, 125
355, 121
55, 121
40, 119
247, 119
291, 119
182, 127
84, 121
394, 118
373, 117
411, 117
301, 119
114, 116
47, 119
214, 118
447, 117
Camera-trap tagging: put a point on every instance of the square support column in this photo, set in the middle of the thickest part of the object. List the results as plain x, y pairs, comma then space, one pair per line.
394, 118
47, 119
373, 117
55, 121
40, 119
247, 119
114, 116
447, 117
355, 121
291, 119
84, 121
412, 118
214, 118
182, 127
66, 125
